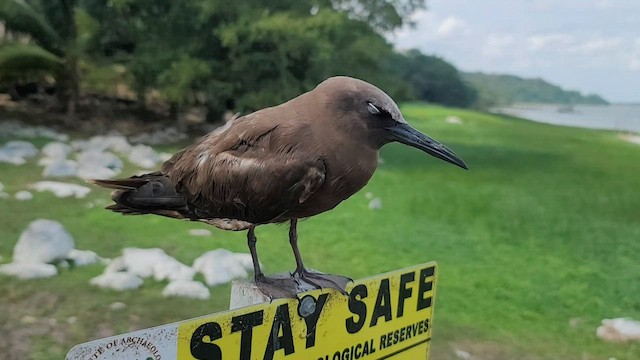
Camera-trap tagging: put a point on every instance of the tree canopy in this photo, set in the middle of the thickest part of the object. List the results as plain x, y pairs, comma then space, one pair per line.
214, 53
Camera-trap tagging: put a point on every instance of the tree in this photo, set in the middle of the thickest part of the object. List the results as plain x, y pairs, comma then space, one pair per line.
43, 41
434, 79
380, 15
251, 53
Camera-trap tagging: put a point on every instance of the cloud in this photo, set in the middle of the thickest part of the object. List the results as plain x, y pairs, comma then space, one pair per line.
431, 28
585, 44
497, 45
557, 41
597, 45
451, 26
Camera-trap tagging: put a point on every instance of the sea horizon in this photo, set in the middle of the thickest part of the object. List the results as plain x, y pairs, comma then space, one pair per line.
615, 116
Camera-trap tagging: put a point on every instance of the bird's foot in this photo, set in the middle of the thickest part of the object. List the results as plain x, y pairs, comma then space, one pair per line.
321, 281
290, 285
277, 287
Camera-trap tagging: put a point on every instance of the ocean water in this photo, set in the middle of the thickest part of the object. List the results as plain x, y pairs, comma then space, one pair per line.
620, 117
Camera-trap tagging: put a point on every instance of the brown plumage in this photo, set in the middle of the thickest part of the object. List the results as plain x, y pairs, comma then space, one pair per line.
278, 164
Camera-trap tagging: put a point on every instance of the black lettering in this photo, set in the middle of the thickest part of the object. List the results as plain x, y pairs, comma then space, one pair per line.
312, 320
383, 303
404, 293
383, 338
202, 346
357, 307
345, 354
425, 286
357, 351
245, 324
282, 321
369, 348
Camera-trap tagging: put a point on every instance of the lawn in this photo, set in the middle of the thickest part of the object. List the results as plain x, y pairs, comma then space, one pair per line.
536, 244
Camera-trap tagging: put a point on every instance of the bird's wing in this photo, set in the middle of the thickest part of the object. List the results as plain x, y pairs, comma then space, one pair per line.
252, 171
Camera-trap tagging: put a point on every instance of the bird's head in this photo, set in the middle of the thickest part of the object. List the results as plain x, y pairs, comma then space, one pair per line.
366, 111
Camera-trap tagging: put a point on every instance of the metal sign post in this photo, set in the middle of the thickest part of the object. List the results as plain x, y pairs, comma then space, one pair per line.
387, 316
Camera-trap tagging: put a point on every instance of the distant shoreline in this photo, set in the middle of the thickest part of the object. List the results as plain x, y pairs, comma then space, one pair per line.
617, 117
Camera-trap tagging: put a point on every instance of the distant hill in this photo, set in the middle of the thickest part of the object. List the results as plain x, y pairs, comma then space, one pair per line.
497, 89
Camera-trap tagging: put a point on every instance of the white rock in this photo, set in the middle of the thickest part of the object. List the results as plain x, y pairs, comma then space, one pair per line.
200, 232
100, 143
155, 263
452, 119
117, 143
219, 266
15, 128
60, 168
16, 152
140, 262
44, 241
56, 150
21, 148
172, 269
187, 288
144, 156
97, 157
23, 195
11, 159
28, 270
83, 257
619, 330
61, 190
461, 354
117, 281
117, 305
115, 265
245, 260
94, 171
94, 163
375, 203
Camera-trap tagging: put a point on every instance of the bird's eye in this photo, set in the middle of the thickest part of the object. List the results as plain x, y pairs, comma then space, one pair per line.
374, 110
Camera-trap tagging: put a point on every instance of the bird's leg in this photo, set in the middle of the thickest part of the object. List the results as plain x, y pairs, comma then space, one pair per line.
251, 241
273, 288
293, 240
320, 280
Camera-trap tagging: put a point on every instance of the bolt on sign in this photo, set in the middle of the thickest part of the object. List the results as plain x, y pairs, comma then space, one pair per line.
388, 316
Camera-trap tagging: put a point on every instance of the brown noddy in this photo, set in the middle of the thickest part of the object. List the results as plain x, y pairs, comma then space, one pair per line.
279, 164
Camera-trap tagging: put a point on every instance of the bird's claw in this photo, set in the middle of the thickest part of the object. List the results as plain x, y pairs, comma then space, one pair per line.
299, 281
322, 281
277, 288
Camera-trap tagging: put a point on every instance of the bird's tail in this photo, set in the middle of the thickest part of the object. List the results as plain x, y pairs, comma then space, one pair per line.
146, 194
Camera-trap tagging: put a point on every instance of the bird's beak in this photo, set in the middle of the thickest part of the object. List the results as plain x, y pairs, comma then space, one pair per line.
405, 134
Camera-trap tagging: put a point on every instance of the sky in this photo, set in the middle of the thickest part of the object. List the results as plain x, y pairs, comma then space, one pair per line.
592, 46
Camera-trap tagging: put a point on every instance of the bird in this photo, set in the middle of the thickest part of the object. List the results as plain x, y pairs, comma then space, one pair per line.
276, 165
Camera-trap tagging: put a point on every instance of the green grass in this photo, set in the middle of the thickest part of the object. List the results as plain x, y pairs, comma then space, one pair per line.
543, 231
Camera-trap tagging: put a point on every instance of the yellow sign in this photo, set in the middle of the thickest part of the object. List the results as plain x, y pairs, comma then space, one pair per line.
386, 316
